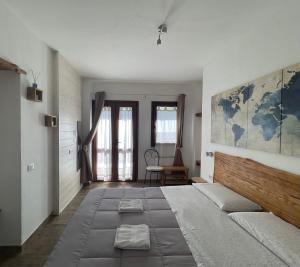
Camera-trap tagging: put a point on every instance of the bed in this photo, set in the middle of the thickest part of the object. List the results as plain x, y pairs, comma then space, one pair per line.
88, 240
187, 229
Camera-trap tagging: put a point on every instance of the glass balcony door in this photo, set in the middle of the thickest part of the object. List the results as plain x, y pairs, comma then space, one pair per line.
115, 145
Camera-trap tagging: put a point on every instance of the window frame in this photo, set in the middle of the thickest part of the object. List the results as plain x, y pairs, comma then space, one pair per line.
154, 105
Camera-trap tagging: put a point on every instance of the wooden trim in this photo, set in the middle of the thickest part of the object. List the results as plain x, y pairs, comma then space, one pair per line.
115, 141
135, 121
10, 251
6, 65
153, 124
275, 190
198, 180
154, 105
120, 103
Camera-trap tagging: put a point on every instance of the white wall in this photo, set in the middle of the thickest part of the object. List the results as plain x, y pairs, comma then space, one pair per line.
10, 159
272, 47
20, 46
145, 93
68, 98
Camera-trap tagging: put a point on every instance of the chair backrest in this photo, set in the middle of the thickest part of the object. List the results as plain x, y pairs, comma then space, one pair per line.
151, 157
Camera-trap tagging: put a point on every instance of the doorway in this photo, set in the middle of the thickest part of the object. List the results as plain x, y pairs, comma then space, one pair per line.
115, 145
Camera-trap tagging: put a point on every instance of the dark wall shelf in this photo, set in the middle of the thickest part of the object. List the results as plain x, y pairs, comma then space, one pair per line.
34, 94
50, 121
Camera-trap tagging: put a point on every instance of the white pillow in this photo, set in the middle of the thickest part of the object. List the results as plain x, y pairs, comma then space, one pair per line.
225, 198
282, 238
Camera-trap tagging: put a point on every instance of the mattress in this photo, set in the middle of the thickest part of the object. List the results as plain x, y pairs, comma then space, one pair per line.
88, 239
214, 239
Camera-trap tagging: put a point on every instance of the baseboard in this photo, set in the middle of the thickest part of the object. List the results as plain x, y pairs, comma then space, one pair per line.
10, 250
61, 209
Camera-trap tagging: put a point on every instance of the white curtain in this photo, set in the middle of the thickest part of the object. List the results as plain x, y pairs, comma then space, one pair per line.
125, 167
166, 125
104, 146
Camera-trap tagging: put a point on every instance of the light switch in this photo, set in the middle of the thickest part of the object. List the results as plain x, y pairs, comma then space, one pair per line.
30, 167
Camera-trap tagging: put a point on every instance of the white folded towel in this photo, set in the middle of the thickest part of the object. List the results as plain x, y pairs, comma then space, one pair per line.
133, 237
131, 205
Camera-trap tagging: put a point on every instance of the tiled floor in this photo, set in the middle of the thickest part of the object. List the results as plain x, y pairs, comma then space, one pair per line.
37, 248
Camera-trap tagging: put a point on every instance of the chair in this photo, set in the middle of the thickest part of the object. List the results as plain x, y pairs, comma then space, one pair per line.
152, 163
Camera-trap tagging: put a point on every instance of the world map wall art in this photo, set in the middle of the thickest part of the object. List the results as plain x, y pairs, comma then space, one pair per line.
262, 115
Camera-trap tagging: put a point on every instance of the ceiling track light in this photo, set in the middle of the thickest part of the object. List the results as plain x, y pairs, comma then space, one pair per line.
162, 29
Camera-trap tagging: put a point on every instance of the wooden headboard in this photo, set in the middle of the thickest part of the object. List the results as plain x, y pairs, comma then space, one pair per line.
275, 190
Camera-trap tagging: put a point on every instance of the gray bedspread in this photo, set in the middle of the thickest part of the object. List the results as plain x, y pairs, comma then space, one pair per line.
88, 239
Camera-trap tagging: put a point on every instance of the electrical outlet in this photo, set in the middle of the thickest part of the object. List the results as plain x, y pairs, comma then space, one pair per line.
30, 167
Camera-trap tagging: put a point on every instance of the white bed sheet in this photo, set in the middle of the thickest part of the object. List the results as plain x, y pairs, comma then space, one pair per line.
214, 239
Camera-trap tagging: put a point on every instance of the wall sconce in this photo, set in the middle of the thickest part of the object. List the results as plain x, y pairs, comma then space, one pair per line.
209, 154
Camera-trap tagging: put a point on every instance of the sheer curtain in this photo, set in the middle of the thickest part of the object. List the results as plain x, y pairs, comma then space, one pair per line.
104, 146
166, 125
125, 148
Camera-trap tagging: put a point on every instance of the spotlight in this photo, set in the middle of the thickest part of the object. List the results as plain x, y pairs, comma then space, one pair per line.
158, 41
162, 29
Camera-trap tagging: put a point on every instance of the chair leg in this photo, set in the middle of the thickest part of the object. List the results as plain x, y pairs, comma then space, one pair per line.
150, 177
157, 174
145, 176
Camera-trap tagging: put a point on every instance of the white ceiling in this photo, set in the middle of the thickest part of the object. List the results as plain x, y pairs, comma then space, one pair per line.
116, 39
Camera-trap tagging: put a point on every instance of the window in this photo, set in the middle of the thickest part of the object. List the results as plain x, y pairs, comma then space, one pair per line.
163, 123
